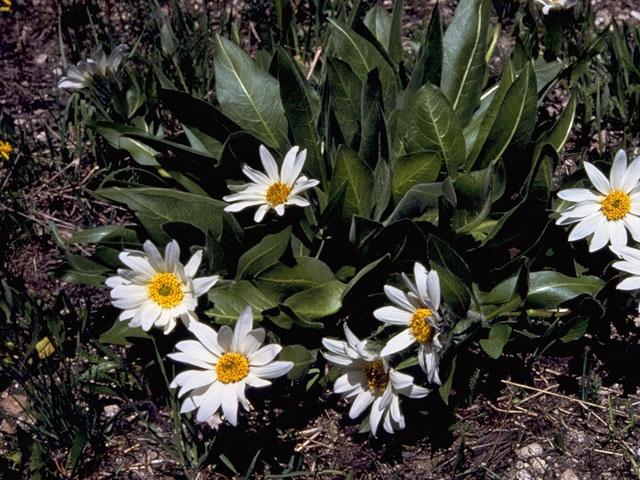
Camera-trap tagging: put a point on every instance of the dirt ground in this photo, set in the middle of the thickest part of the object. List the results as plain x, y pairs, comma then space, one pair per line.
532, 427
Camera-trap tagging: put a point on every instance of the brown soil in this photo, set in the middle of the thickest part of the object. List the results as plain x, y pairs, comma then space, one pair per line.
541, 430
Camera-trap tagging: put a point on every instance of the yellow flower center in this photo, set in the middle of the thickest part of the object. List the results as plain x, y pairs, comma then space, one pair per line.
5, 150
377, 378
420, 328
232, 367
278, 193
165, 290
616, 205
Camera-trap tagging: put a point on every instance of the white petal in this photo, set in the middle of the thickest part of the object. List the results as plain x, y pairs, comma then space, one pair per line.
210, 402
269, 164
243, 326
225, 335
264, 355
297, 201
350, 381
191, 268
207, 336
257, 177
203, 284
429, 363
150, 312
393, 316
628, 267
197, 350
341, 360
597, 178
633, 225
154, 257
256, 382
252, 342
191, 379
360, 404
583, 209
632, 176
376, 415
230, 402
618, 171
138, 262
631, 283
186, 358
433, 288
303, 184
577, 195
587, 226
617, 233
600, 238
260, 213
271, 370
398, 343
290, 167
172, 255
398, 297
236, 207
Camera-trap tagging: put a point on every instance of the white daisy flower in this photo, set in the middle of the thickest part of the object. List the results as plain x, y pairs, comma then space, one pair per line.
368, 377
81, 75
609, 212
548, 5
158, 290
630, 263
272, 190
229, 361
418, 311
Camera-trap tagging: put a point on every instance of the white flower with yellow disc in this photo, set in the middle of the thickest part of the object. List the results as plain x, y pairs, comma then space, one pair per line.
367, 377
229, 362
272, 189
610, 211
548, 5
418, 311
157, 290
82, 75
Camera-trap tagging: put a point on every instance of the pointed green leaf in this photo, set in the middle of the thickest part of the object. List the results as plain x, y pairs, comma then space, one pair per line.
357, 176
410, 170
317, 302
281, 281
248, 95
301, 357
346, 89
498, 338
378, 21
433, 126
263, 255
231, 299
463, 63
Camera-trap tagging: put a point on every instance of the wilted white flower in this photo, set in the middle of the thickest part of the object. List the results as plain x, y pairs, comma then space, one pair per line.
158, 290
630, 263
228, 361
81, 75
609, 212
368, 378
418, 311
548, 5
272, 190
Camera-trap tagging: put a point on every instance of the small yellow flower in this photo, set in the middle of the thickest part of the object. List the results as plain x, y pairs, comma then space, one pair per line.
45, 348
5, 147
6, 6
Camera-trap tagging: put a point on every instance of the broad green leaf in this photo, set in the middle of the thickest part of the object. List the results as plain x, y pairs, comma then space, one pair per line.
561, 130
357, 177
282, 281
378, 21
463, 62
202, 142
100, 234
301, 105
546, 74
498, 338
301, 357
248, 95
577, 330
547, 289
229, 301
317, 302
118, 334
454, 293
442, 252
183, 152
433, 126
155, 207
474, 194
264, 255
141, 153
515, 120
394, 45
373, 136
421, 199
486, 120
346, 89
410, 170
363, 57
382, 188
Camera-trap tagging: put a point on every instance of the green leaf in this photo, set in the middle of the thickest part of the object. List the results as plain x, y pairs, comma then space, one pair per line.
248, 95
229, 301
363, 57
373, 136
378, 21
118, 334
410, 170
155, 207
515, 120
433, 126
352, 172
368, 272
463, 63
577, 330
454, 292
394, 45
281, 281
421, 199
302, 359
317, 302
301, 106
474, 194
547, 289
498, 338
345, 88
561, 130
100, 234
441, 252
263, 255
141, 153
445, 388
